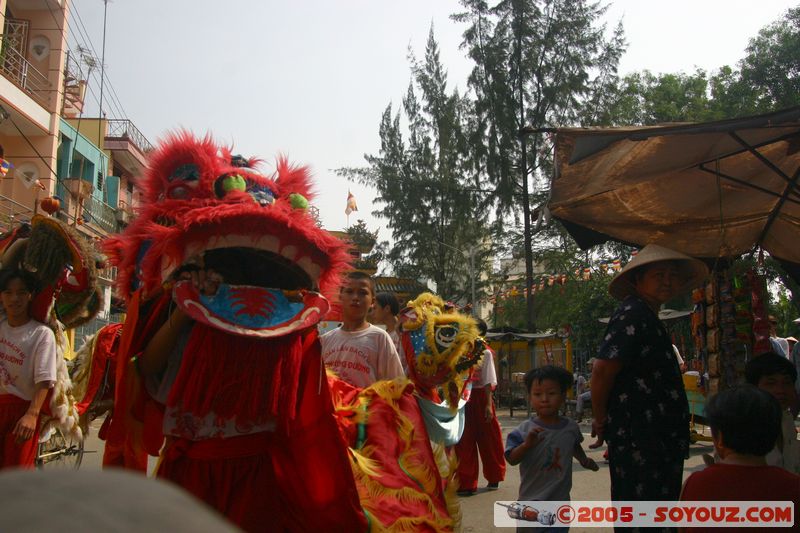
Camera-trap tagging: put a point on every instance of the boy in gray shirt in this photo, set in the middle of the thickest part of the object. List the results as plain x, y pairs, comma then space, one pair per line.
545, 445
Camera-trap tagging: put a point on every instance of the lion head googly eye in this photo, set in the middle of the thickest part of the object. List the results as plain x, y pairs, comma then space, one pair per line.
445, 336
262, 195
188, 173
180, 192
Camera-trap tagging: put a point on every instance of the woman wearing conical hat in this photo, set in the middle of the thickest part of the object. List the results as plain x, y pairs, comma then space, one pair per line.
638, 399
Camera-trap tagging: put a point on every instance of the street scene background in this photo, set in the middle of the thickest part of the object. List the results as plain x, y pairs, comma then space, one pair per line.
477, 511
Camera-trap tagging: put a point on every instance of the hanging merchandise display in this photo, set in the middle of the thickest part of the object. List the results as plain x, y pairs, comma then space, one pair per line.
729, 326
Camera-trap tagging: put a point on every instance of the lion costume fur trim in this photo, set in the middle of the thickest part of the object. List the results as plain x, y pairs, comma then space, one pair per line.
368, 472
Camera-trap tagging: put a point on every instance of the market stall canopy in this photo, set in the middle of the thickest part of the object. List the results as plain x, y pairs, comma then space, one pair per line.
714, 189
664, 314
518, 335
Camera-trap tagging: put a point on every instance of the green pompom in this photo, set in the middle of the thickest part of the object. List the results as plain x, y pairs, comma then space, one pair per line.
298, 201
234, 183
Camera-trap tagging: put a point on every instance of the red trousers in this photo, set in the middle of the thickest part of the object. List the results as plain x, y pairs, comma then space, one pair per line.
13, 454
121, 454
480, 435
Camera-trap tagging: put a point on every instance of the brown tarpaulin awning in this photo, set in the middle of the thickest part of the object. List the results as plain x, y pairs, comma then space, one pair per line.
664, 315
714, 189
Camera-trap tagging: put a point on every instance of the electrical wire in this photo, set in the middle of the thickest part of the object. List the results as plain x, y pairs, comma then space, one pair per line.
117, 112
115, 104
82, 34
40, 156
53, 172
88, 40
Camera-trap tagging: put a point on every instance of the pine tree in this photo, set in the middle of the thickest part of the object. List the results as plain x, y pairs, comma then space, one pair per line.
423, 180
538, 64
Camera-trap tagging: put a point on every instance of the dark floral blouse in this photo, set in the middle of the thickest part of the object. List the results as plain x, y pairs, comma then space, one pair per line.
647, 406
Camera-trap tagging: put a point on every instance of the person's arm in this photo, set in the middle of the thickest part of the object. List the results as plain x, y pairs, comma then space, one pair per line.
153, 359
604, 373
489, 412
586, 462
489, 378
515, 455
389, 366
25, 427
44, 377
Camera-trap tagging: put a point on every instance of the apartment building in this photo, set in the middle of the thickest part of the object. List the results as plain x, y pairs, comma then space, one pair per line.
32, 60
51, 149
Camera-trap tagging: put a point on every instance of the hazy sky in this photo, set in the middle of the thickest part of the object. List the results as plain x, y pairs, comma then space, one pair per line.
311, 78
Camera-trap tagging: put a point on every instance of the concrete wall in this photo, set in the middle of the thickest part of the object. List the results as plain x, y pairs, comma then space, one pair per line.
19, 152
45, 25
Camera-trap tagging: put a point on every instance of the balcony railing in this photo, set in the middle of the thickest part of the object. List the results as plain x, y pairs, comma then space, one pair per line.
101, 214
120, 128
16, 68
108, 274
12, 213
74, 87
72, 68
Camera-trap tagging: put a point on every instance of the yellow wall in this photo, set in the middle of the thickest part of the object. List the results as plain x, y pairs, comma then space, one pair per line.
521, 356
516, 353
89, 129
553, 351
2, 15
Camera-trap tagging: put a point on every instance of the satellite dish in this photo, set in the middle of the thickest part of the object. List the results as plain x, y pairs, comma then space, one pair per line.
28, 173
39, 47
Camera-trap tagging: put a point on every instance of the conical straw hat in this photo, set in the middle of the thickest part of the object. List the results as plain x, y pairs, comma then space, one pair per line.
692, 270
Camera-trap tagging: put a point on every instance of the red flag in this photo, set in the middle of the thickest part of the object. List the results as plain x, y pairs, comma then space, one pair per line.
351, 204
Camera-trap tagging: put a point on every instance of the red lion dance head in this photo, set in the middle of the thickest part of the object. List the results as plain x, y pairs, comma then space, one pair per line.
206, 208
250, 373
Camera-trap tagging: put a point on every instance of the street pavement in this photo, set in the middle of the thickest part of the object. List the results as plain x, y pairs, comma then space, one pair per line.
478, 510
93, 450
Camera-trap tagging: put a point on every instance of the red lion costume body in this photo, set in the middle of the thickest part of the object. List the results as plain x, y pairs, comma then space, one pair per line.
243, 417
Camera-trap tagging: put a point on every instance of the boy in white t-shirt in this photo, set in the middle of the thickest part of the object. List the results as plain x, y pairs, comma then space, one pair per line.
359, 352
27, 370
384, 313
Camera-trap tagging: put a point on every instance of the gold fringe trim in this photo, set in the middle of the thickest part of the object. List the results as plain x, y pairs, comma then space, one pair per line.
451, 484
368, 471
367, 465
371, 492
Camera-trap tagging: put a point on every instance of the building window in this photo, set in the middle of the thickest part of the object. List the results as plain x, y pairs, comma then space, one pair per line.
100, 181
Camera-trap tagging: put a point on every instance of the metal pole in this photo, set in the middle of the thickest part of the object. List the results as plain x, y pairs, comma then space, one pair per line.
472, 278
102, 73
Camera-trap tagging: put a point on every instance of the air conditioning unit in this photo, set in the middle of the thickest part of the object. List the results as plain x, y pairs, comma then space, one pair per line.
123, 216
78, 188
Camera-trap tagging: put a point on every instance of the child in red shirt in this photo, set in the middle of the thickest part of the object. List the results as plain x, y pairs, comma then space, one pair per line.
745, 422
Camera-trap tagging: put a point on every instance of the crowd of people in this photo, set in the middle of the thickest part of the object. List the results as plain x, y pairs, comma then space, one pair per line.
639, 406
362, 353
